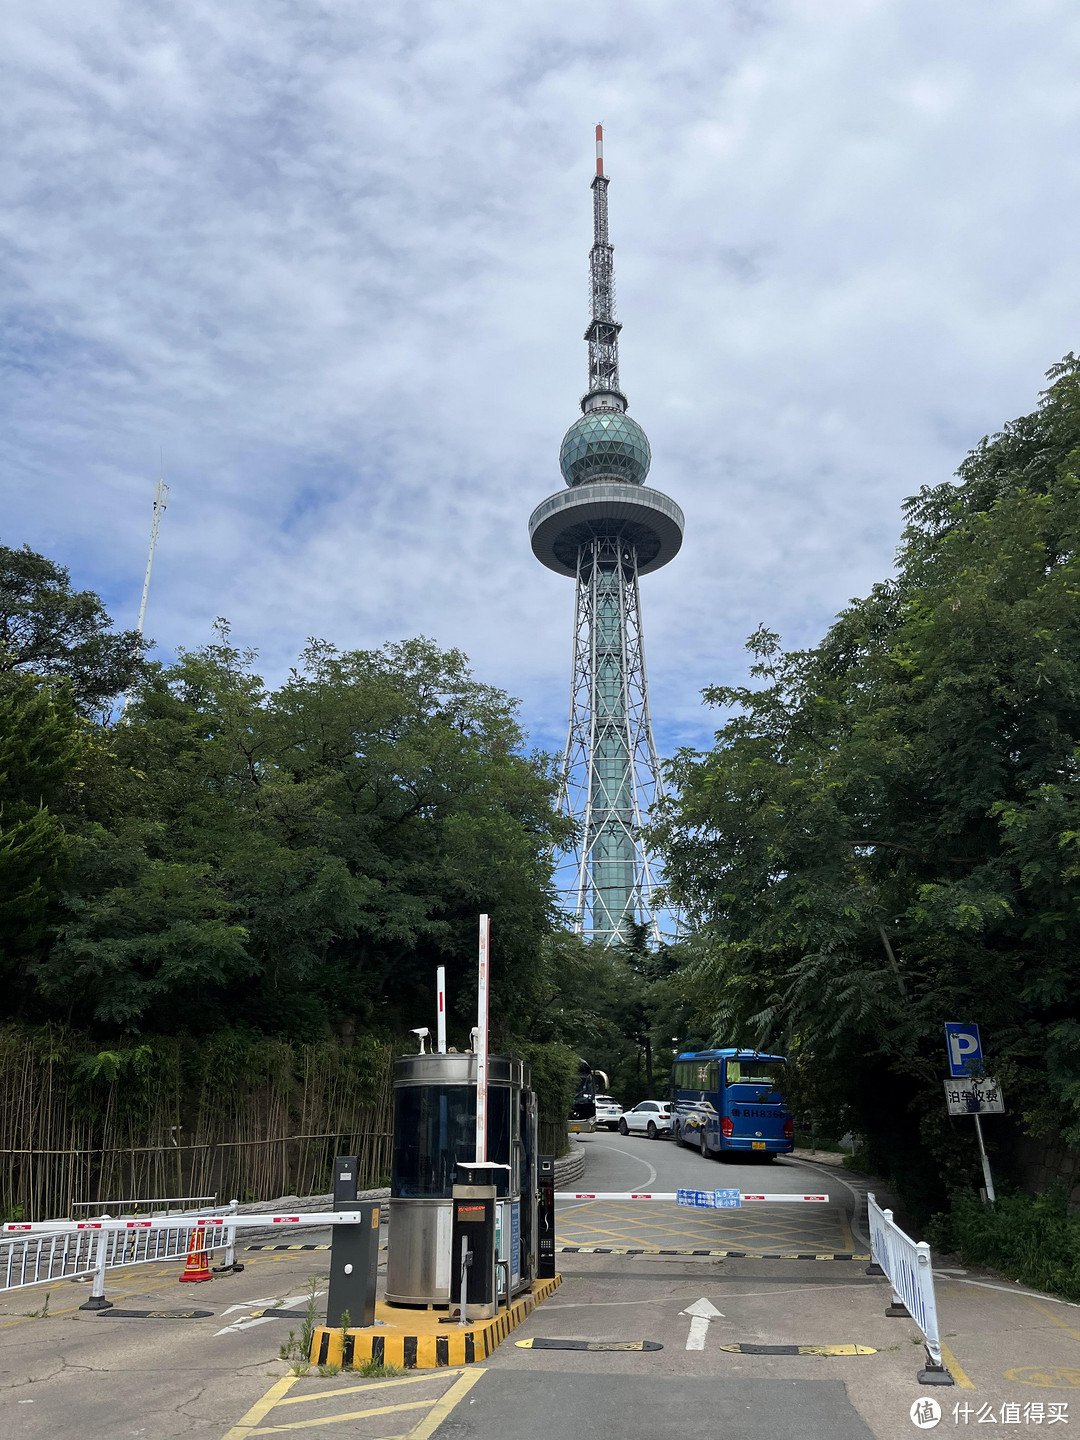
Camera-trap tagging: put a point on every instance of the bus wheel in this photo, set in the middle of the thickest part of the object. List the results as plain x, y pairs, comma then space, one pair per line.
651, 1131
624, 1129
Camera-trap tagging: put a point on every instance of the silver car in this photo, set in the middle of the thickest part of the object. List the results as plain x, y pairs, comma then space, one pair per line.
651, 1117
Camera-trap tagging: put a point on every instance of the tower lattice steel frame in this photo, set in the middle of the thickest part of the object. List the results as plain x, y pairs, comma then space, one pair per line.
605, 531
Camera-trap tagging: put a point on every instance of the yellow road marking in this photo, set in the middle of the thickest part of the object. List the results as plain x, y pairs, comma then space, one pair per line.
335, 1419
165, 1276
955, 1369
1054, 1319
74, 1309
599, 1218
457, 1392
849, 1240
243, 1426
371, 1385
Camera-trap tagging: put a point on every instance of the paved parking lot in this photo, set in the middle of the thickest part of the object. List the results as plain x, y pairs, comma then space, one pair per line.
1015, 1357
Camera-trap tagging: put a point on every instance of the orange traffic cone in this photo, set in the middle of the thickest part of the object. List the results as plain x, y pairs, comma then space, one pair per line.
197, 1267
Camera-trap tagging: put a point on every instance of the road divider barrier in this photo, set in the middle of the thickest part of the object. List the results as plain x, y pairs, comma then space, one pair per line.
907, 1265
676, 1195
38, 1251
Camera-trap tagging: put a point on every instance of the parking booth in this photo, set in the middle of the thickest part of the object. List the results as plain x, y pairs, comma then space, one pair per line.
434, 1132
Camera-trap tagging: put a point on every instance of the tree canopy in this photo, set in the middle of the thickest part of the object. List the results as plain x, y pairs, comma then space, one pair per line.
886, 834
297, 859
50, 630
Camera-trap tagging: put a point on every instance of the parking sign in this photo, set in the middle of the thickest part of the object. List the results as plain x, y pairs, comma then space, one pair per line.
964, 1047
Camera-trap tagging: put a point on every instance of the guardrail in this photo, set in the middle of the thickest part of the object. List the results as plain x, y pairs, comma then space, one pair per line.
909, 1269
32, 1253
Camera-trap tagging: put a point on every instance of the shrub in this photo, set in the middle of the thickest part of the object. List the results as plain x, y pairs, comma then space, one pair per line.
1029, 1238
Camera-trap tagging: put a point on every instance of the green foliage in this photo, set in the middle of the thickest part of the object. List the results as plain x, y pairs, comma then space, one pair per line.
297, 860
297, 1349
884, 836
50, 630
376, 1370
1030, 1238
41, 741
554, 1078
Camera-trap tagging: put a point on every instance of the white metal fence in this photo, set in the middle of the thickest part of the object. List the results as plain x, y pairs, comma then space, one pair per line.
34, 1253
908, 1266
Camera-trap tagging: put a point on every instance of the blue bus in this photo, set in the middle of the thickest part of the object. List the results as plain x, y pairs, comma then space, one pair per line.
731, 1101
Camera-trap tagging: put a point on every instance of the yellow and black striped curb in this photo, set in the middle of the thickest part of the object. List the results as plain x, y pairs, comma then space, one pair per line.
460, 1345
723, 1254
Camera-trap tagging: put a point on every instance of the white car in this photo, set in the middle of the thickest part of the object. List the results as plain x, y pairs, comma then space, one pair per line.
608, 1112
651, 1117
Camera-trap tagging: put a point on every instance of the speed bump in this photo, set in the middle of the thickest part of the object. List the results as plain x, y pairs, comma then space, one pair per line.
422, 1341
540, 1344
744, 1349
115, 1314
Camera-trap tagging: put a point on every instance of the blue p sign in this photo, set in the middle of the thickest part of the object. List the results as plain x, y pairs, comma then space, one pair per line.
964, 1047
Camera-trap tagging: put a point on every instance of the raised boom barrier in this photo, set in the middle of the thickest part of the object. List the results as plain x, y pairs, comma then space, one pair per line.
907, 1264
37, 1251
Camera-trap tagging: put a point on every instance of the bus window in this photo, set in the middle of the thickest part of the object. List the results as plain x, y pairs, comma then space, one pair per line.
749, 1071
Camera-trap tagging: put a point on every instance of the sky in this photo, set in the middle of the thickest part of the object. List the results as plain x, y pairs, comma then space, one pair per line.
327, 265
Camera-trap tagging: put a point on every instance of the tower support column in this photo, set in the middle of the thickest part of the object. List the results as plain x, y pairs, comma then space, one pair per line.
611, 773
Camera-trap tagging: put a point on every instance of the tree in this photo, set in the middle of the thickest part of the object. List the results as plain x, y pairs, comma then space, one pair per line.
305, 858
49, 629
885, 834
40, 744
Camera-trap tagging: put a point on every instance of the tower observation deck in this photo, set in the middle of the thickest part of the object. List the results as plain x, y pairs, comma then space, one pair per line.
605, 530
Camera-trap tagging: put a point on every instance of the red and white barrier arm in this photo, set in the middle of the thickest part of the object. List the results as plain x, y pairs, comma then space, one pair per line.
671, 1195
213, 1225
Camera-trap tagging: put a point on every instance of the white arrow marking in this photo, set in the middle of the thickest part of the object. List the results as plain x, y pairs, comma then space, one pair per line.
250, 1304
246, 1322
701, 1312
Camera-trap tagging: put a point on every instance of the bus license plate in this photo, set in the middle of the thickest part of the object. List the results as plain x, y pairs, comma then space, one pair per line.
757, 1144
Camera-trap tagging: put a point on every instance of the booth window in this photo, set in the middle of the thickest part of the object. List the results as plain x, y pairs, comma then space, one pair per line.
435, 1126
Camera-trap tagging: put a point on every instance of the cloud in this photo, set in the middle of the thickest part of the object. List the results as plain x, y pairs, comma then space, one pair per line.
331, 260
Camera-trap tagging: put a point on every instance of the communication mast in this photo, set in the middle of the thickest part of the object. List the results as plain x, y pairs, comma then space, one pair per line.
605, 531
161, 499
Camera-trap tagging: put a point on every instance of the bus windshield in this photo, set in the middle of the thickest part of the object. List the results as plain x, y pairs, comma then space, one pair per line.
749, 1071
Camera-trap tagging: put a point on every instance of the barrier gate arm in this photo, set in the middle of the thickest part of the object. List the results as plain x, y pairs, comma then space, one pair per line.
213, 1225
36, 1252
673, 1194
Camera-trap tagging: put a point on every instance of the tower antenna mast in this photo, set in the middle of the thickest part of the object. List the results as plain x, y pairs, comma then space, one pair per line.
605, 531
161, 499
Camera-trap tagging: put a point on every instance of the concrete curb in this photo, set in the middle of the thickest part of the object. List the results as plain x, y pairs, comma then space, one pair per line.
569, 1168
427, 1349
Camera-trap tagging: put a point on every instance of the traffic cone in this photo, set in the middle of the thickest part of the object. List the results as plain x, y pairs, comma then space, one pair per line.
197, 1267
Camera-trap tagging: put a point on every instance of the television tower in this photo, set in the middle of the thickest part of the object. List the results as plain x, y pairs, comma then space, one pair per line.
605, 530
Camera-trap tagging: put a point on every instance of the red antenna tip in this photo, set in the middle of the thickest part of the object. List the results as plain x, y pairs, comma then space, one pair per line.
599, 149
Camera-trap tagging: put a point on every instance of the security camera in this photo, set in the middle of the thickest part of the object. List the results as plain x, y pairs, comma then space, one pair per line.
422, 1032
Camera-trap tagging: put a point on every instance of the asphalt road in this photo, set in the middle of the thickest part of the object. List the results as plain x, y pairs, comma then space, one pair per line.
79, 1374
709, 1391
